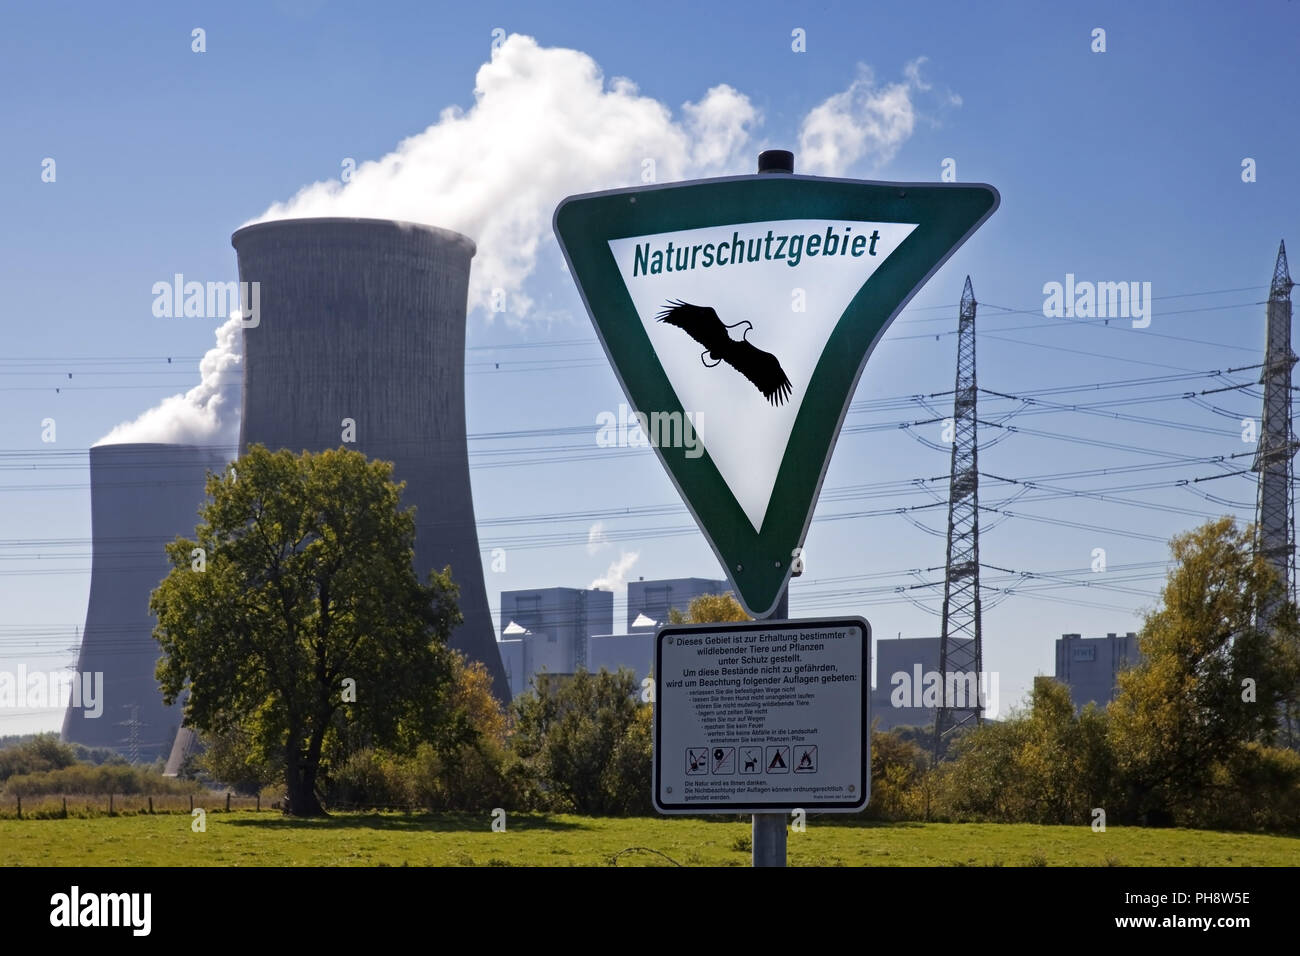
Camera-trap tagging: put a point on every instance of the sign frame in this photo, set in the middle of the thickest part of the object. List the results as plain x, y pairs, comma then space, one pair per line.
759, 565
779, 807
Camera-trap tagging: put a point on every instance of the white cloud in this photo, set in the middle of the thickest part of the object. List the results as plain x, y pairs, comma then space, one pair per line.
544, 124
912, 71
865, 122
719, 126
616, 576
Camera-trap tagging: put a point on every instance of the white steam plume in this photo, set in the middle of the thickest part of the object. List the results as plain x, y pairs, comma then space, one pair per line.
616, 575
597, 540
544, 125
208, 414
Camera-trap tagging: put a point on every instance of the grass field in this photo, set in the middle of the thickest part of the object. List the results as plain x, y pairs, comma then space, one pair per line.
392, 839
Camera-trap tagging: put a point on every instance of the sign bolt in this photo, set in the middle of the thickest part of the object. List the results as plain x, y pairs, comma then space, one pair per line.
776, 161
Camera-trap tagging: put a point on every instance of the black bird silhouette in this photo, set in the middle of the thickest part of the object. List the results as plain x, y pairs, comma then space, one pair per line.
702, 324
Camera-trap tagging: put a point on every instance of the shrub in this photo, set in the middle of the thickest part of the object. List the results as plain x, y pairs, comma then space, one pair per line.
583, 738
368, 778
897, 771
1259, 789
473, 776
1045, 765
42, 752
89, 779
627, 777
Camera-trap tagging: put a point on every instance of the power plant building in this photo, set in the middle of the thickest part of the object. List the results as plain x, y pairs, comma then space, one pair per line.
561, 630
1090, 666
142, 496
908, 678
611, 652
361, 344
649, 602
548, 629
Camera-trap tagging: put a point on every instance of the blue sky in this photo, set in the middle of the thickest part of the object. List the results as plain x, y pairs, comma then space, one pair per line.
1117, 166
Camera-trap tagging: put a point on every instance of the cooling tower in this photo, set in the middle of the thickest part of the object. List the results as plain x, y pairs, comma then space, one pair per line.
141, 497
364, 320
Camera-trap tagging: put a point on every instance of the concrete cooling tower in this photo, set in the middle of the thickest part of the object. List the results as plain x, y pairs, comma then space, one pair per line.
141, 497
364, 320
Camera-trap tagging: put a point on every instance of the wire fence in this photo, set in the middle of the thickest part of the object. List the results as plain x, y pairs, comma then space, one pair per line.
54, 806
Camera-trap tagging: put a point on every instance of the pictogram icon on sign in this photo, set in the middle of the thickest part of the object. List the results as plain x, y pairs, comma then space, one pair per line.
805, 759
778, 759
697, 760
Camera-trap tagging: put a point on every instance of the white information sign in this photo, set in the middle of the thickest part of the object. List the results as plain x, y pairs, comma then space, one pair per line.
763, 717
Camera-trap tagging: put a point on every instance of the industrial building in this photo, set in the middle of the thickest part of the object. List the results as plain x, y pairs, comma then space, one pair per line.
905, 667
562, 630
649, 602
1090, 666
610, 652
528, 651
548, 629
142, 496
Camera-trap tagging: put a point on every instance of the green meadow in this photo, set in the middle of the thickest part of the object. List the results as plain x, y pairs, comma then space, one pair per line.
245, 838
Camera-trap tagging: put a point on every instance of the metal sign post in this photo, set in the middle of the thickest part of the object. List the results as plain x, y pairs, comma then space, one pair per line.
767, 834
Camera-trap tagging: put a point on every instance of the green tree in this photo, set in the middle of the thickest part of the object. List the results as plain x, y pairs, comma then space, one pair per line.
709, 609
983, 780
627, 776
1209, 680
471, 768
473, 701
307, 599
574, 732
898, 767
1066, 766
1045, 764
234, 759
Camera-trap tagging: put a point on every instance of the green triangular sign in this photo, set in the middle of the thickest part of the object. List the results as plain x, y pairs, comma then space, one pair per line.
738, 315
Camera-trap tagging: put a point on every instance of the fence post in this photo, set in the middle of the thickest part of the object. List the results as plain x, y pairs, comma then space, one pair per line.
151, 805
227, 801
20, 806
110, 803
65, 807
259, 803
191, 803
